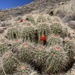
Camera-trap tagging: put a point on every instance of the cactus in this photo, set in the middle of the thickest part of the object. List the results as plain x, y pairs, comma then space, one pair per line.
31, 19
43, 30
69, 47
32, 55
13, 33
65, 32
41, 19
41, 58
8, 63
57, 60
28, 33
54, 40
25, 69
56, 28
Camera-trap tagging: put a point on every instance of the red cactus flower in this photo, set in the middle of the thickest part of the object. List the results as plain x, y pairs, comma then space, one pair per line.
43, 38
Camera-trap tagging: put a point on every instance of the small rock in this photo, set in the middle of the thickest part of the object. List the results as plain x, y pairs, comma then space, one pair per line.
71, 24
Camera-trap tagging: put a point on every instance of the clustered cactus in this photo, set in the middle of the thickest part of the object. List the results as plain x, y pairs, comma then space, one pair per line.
53, 61
44, 45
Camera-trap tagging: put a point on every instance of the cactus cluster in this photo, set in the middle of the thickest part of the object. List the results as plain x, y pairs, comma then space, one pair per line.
37, 42
53, 61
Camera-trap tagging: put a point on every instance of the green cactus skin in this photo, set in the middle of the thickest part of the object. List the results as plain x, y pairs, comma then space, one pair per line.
26, 70
54, 40
13, 34
56, 28
28, 33
69, 47
57, 60
15, 46
31, 19
3, 48
41, 19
